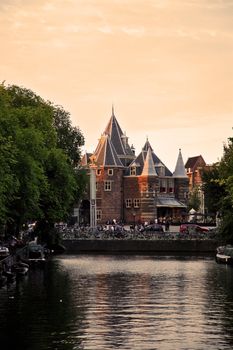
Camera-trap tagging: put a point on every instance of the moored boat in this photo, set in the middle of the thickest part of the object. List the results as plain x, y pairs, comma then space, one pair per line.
36, 254
224, 255
4, 252
20, 268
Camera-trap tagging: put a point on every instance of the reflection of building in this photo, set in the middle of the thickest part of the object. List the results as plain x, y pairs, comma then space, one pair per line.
133, 188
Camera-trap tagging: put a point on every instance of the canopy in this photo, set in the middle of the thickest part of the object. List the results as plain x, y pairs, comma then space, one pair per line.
170, 202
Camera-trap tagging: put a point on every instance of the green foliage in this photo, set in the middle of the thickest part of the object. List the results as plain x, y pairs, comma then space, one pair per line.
194, 200
39, 149
214, 189
218, 188
68, 138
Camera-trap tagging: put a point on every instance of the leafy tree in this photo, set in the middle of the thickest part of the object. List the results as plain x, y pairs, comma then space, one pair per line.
69, 138
213, 188
194, 200
39, 150
226, 179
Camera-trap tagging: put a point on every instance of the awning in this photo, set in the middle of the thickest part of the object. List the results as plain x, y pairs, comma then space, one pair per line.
170, 203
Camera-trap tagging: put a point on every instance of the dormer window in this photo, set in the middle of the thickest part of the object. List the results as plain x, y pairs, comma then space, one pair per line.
133, 171
162, 171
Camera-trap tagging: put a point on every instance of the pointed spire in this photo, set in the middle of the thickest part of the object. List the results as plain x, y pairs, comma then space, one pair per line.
117, 137
149, 167
105, 153
180, 169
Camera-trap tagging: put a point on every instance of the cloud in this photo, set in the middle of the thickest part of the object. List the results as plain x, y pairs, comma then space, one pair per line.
134, 31
106, 29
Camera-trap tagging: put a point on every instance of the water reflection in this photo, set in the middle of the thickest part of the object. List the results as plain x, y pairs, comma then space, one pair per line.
121, 302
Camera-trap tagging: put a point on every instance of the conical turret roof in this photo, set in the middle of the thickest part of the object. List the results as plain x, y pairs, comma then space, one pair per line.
140, 160
117, 137
180, 169
105, 153
149, 166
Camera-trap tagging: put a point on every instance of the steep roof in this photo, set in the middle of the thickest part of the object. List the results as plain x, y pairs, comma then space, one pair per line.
85, 159
192, 161
118, 138
139, 161
180, 169
149, 167
105, 153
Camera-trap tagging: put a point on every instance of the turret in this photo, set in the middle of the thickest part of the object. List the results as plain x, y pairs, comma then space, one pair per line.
181, 180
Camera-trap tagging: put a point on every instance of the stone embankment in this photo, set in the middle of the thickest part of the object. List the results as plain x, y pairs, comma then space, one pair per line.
194, 246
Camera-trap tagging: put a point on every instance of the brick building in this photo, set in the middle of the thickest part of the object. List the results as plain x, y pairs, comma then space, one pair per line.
132, 188
194, 169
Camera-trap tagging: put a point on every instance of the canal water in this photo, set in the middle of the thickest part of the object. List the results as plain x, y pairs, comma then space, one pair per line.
120, 302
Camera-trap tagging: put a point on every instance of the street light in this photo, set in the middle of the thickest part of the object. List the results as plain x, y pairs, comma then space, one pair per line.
134, 220
93, 192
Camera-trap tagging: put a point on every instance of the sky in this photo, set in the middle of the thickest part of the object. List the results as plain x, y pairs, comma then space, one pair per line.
166, 66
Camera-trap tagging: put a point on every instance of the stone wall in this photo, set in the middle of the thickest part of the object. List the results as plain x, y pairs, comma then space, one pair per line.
138, 246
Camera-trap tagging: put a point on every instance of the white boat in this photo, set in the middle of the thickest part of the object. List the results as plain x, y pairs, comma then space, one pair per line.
224, 255
4, 252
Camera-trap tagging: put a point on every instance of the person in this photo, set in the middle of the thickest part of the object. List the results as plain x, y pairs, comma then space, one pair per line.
167, 224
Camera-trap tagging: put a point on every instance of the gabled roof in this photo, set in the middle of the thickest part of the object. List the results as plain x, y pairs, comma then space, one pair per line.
119, 140
180, 169
105, 153
192, 162
141, 160
149, 167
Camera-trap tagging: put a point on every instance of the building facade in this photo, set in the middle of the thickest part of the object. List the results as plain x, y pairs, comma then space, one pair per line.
194, 169
130, 188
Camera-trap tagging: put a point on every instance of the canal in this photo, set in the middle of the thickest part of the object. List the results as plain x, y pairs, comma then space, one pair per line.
98, 302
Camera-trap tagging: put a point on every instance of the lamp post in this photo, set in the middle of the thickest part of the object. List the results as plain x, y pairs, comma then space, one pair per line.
92, 193
155, 196
134, 220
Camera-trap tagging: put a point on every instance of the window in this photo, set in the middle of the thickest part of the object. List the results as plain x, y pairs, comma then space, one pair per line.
128, 203
171, 185
160, 170
110, 172
136, 203
98, 172
163, 185
108, 185
133, 171
98, 215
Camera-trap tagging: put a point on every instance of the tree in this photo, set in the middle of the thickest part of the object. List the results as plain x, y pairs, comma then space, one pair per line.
194, 200
226, 179
214, 189
69, 138
39, 150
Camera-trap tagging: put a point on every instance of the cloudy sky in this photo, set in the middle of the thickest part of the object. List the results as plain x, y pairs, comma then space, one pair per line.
167, 66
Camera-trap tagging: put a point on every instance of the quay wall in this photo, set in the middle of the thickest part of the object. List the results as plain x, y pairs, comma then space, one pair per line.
141, 246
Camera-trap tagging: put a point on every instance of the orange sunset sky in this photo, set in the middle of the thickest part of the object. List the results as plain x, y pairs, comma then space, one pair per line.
167, 66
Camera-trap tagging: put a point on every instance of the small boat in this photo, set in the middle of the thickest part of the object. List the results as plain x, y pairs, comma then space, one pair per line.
36, 254
20, 268
10, 275
224, 255
4, 252
3, 280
